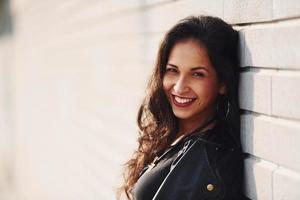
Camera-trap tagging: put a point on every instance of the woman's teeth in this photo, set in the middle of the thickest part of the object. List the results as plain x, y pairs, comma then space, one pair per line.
182, 100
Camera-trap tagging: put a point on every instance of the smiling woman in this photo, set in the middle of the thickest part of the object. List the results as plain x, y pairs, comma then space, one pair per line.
191, 84
189, 145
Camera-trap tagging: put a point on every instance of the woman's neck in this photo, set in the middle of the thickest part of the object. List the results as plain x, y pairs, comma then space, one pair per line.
186, 126
189, 127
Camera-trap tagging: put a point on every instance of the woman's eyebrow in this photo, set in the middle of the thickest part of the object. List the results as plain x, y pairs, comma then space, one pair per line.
199, 67
193, 69
172, 65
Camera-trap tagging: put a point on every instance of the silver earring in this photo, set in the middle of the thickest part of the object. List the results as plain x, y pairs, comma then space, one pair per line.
219, 110
228, 108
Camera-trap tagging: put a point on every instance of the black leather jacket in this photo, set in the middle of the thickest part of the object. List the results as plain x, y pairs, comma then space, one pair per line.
209, 168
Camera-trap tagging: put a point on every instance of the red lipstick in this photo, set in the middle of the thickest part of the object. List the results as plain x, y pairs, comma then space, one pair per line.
182, 105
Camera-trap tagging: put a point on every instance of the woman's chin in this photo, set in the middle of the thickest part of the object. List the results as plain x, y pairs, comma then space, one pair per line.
182, 115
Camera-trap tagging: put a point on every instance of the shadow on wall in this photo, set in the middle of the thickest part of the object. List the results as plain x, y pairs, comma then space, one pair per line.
246, 98
6, 27
6, 133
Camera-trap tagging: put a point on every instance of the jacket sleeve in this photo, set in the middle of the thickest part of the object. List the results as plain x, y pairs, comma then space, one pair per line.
229, 165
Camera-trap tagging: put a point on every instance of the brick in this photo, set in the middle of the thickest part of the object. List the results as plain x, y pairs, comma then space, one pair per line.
286, 94
273, 139
255, 92
284, 9
272, 47
258, 179
286, 184
241, 45
247, 11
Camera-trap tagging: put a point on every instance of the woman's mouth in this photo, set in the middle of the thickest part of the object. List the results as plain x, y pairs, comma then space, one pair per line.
182, 101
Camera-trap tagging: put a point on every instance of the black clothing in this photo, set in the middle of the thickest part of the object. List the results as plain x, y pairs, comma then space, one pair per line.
206, 166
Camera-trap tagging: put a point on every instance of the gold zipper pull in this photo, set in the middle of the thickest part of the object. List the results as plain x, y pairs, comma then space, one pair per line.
152, 164
178, 140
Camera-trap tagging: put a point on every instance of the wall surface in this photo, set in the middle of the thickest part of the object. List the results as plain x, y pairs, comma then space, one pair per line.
74, 72
6, 105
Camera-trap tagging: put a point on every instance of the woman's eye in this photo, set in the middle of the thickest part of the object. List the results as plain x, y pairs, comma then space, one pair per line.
171, 70
198, 74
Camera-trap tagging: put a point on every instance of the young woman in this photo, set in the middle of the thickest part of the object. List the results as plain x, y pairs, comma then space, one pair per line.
189, 145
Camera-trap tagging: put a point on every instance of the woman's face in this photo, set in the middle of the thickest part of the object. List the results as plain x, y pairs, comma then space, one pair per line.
190, 81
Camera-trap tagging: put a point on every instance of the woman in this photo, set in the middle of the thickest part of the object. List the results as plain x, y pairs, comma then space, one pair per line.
189, 145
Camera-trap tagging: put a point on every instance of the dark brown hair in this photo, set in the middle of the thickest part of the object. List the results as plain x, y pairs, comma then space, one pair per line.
156, 121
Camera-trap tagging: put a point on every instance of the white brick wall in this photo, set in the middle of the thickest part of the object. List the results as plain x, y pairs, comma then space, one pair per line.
247, 11
282, 38
286, 184
78, 70
269, 95
259, 183
285, 88
256, 86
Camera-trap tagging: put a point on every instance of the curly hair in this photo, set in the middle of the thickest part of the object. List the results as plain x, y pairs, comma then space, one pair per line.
156, 121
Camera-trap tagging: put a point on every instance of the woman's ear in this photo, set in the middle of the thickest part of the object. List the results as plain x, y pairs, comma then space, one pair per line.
222, 89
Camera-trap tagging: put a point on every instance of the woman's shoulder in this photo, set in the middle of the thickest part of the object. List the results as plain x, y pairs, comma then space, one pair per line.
222, 150
226, 160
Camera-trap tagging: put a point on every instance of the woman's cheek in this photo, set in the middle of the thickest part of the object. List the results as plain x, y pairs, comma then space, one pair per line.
167, 83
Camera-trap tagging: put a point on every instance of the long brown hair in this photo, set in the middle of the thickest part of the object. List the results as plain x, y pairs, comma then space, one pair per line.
156, 121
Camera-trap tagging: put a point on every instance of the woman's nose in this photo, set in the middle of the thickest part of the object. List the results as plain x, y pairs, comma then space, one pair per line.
180, 86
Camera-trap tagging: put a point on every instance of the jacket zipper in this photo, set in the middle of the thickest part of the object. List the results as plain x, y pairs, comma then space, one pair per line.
185, 148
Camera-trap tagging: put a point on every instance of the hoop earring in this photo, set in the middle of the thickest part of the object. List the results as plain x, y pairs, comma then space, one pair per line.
219, 109
228, 108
